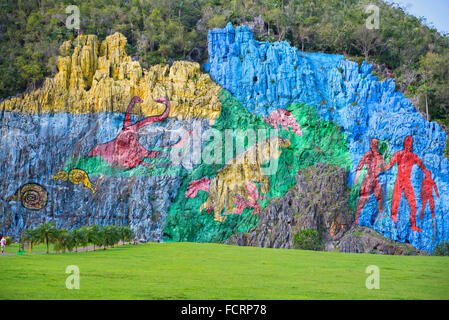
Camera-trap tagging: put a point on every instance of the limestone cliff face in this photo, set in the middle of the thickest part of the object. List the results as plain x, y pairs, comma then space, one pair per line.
96, 77
69, 153
52, 130
268, 76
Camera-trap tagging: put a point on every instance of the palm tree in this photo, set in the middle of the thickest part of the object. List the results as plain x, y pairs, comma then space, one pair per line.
100, 238
126, 233
83, 234
30, 236
111, 235
46, 233
65, 240
79, 237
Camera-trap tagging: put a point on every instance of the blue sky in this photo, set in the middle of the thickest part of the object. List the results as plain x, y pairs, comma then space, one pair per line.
435, 11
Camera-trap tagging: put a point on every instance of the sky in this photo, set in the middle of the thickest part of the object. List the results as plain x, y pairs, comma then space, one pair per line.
435, 11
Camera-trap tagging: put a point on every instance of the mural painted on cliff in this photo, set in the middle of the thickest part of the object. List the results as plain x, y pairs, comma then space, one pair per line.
426, 195
374, 163
405, 160
234, 184
50, 132
325, 109
270, 76
125, 153
75, 176
125, 150
285, 119
236, 197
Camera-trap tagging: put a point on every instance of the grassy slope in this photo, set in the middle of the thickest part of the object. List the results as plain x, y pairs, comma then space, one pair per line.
212, 271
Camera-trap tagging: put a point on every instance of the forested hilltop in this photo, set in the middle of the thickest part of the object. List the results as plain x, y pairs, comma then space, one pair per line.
160, 31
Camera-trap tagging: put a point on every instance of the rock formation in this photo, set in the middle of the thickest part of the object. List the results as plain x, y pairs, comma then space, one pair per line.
96, 77
268, 76
53, 128
326, 111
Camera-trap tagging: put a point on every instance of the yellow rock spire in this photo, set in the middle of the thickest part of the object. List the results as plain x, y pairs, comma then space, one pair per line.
103, 78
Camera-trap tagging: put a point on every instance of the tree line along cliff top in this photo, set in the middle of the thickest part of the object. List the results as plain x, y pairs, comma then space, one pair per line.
162, 31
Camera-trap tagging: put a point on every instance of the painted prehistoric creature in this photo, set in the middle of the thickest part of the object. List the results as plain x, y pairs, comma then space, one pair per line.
75, 176
284, 118
254, 195
405, 160
32, 196
235, 184
427, 194
374, 164
197, 185
125, 150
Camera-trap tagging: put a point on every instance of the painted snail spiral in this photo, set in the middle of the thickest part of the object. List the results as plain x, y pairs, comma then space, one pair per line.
77, 176
61, 175
32, 196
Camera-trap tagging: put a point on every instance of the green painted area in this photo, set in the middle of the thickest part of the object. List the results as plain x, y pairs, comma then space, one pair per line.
211, 271
95, 166
322, 141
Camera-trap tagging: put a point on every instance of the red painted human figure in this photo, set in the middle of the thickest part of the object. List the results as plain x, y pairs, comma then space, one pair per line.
374, 163
405, 160
125, 150
427, 194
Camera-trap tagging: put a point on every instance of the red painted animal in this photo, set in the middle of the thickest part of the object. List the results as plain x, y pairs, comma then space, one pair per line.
284, 118
125, 151
197, 185
254, 194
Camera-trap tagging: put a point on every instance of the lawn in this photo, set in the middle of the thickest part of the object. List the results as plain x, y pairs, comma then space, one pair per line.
214, 271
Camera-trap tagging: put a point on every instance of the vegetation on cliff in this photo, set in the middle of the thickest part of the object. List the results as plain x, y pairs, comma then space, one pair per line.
160, 31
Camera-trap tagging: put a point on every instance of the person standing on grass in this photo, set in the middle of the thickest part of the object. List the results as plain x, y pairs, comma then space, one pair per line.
3, 243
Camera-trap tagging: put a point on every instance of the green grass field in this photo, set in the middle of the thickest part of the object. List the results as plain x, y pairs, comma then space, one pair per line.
213, 271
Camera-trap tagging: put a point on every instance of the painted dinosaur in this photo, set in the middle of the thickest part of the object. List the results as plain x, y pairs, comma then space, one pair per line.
125, 151
241, 203
235, 183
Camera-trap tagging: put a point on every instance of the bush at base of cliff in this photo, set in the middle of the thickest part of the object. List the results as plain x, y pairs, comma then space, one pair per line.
308, 239
442, 249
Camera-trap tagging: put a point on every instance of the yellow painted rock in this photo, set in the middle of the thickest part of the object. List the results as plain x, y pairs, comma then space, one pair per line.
234, 176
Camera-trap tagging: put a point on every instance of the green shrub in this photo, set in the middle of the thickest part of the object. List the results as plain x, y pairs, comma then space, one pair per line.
442, 249
308, 239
